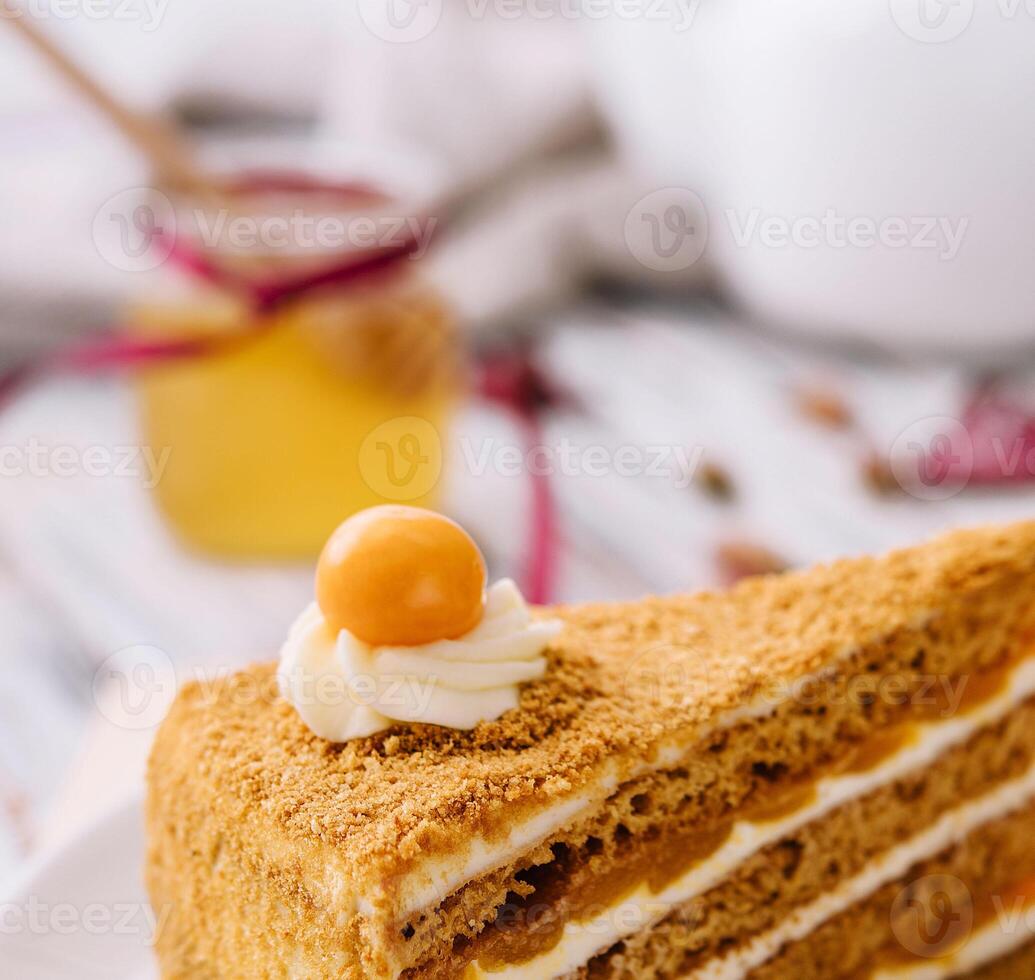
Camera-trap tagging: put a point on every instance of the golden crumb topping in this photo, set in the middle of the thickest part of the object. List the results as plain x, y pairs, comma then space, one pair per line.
622, 679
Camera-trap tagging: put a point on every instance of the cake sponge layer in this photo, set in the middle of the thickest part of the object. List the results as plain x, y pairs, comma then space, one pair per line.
879, 931
791, 872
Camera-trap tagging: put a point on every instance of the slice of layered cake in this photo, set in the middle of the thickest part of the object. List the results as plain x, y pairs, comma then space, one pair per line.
828, 774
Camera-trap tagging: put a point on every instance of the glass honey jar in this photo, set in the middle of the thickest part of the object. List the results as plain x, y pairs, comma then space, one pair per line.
316, 393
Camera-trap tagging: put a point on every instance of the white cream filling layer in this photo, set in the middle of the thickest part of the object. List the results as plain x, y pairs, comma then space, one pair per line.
642, 909
949, 830
993, 942
582, 940
440, 877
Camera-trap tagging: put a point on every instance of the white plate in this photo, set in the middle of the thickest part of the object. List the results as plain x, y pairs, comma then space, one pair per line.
81, 912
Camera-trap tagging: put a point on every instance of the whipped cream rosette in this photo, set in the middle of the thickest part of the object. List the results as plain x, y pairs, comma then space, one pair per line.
389, 575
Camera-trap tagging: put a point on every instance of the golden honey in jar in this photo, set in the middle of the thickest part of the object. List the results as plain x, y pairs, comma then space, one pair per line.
333, 400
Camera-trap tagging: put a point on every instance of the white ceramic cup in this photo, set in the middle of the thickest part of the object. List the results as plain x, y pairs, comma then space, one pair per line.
868, 166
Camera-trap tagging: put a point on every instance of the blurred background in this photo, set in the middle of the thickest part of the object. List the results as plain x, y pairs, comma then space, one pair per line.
648, 294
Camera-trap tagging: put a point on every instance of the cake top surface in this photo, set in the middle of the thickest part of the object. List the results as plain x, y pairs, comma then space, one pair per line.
623, 678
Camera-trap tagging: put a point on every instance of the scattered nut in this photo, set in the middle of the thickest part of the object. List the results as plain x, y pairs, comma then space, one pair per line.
716, 482
879, 477
741, 559
825, 407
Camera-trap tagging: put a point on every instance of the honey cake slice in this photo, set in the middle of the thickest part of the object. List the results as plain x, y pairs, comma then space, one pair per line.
689, 774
